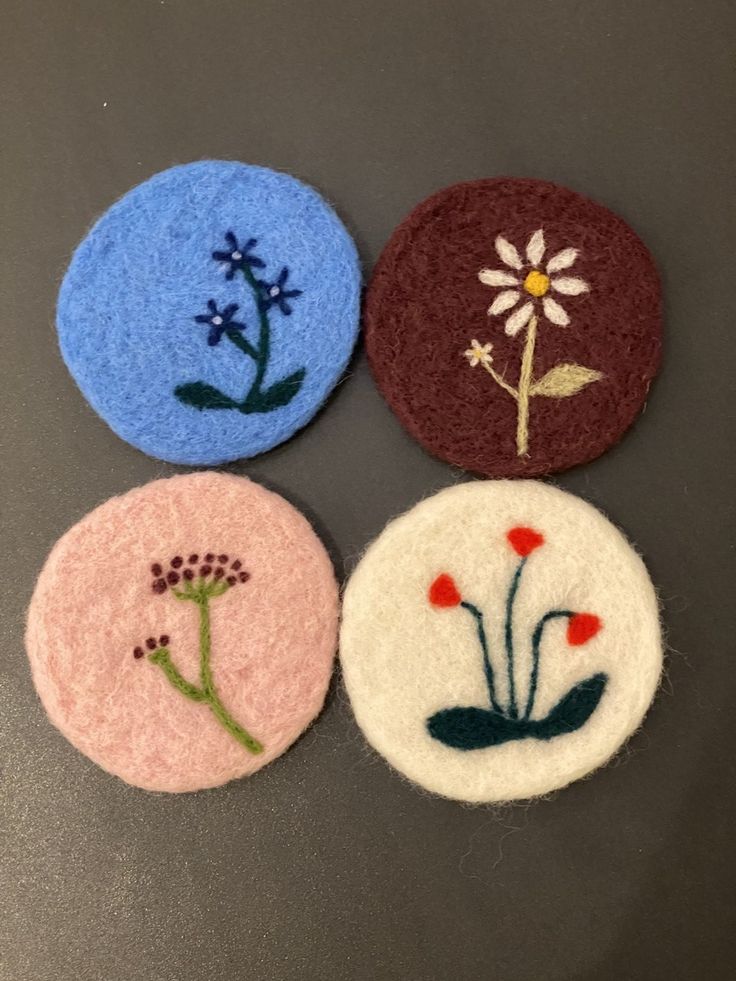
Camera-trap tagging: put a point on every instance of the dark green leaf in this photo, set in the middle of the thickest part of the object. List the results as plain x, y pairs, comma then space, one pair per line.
203, 396
279, 394
574, 710
476, 728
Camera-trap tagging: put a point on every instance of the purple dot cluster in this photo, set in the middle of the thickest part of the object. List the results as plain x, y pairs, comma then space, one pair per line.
210, 564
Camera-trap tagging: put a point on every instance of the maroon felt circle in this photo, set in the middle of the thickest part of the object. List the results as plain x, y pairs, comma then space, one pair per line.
426, 303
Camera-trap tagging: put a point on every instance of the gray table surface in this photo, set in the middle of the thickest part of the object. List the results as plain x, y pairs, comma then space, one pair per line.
326, 865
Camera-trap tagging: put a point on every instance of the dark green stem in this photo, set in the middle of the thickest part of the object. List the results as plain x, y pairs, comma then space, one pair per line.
264, 334
487, 666
240, 342
205, 644
536, 643
509, 637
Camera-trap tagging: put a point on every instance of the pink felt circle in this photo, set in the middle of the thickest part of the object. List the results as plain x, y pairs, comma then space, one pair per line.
273, 637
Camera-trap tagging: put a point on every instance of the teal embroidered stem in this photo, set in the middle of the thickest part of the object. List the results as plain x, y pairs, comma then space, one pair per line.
536, 643
162, 657
241, 343
264, 334
487, 666
509, 637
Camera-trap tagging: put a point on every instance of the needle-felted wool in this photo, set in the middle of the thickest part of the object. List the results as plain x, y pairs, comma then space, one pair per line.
129, 598
448, 590
209, 313
448, 320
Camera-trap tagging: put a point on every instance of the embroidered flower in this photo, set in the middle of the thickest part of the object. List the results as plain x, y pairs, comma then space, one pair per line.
208, 567
276, 295
237, 257
533, 280
219, 321
524, 540
443, 592
479, 353
582, 627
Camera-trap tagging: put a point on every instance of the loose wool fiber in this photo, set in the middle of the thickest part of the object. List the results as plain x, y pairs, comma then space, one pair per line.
134, 303
452, 284
410, 651
273, 632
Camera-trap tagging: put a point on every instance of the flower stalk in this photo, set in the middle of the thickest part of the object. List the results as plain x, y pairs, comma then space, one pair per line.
475, 727
200, 587
239, 259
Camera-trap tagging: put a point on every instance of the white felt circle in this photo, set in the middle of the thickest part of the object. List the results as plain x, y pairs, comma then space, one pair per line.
405, 659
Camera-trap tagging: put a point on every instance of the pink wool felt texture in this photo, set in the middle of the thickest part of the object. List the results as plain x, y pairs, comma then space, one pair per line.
272, 633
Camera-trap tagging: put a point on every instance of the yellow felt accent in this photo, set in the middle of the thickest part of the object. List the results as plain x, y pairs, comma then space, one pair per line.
536, 283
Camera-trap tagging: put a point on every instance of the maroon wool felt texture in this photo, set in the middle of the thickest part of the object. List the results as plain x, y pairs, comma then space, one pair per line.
425, 303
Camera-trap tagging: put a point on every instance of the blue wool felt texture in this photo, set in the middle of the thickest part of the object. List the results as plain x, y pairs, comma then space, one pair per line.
134, 305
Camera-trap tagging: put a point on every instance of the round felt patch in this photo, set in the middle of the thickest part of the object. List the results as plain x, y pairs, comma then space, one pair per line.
499, 641
514, 326
183, 634
210, 311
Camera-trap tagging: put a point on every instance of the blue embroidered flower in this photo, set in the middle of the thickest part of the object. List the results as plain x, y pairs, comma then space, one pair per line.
237, 257
219, 321
275, 295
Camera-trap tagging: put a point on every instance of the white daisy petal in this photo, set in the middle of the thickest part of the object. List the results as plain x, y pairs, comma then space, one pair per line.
497, 277
562, 260
569, 285
507, 253
535, 247
503, 302
520, 318
554, 312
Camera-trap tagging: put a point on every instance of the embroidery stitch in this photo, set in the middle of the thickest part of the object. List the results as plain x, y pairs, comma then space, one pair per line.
473, 727
561, 381
267, 295
200, 586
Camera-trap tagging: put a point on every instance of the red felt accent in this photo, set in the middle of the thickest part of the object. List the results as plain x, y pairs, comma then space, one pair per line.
524, 540
444, 592
425, 304
581, 627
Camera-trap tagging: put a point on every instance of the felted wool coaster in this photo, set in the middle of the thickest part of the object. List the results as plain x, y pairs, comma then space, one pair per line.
499, 641
209, 313
514, 326
183, 634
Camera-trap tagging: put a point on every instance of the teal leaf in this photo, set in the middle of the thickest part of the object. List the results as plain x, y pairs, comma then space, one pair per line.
475, 728
574, 709
202, 396
278, 395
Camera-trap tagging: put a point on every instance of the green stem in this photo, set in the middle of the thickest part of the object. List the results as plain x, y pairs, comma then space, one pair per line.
240, 342
228, 723
536, 643
509, 638
487, 666
162, 657
264, 334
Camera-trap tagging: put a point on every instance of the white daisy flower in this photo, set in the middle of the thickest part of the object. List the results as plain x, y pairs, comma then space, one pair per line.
479, 353
533, 280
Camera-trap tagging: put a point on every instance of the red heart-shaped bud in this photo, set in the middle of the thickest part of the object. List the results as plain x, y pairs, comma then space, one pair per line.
581, 627
524, 540
443, 591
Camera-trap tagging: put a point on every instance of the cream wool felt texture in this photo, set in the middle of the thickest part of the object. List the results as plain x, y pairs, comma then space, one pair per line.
404, 660
273, 637
143, 273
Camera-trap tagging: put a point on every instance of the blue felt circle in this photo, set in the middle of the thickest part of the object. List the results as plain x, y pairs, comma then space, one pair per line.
196, 392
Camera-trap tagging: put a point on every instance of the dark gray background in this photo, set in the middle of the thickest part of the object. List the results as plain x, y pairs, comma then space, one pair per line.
326, 865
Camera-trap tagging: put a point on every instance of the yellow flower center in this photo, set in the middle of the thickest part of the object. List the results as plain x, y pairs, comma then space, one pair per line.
536, 283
